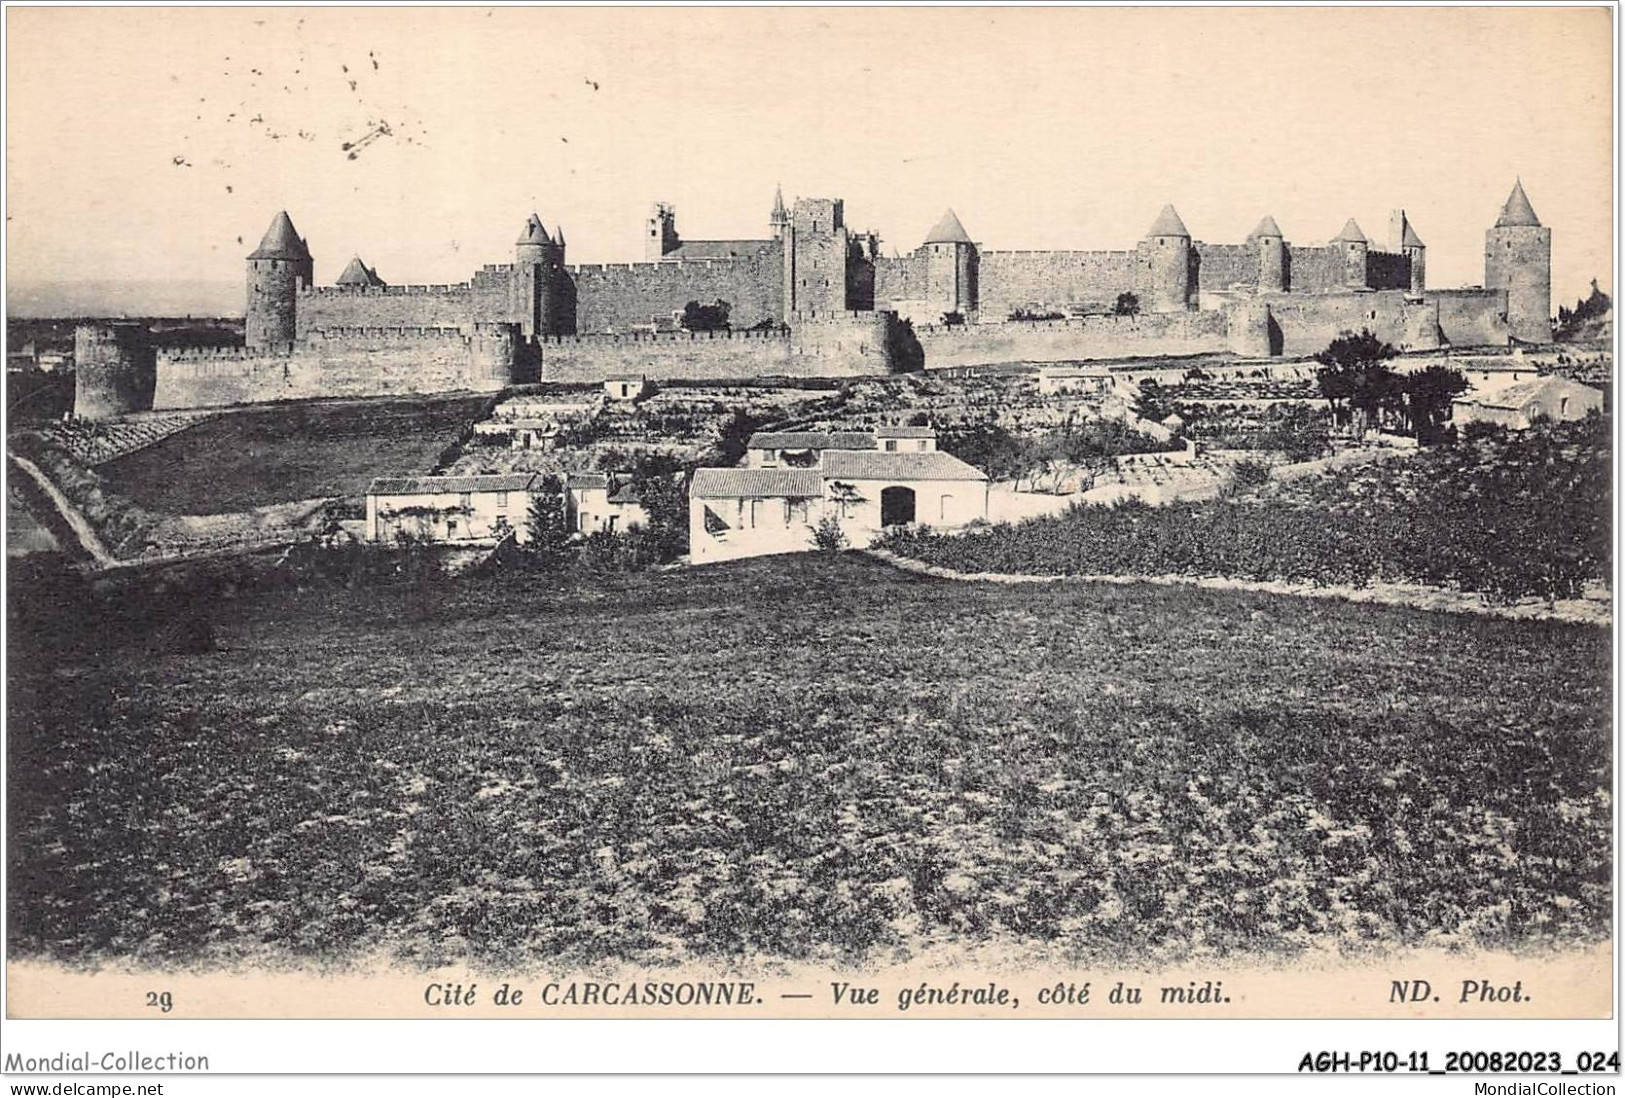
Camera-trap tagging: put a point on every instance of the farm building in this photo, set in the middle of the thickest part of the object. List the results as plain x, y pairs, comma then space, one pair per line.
626, 388
449, 510
801, 449
603, 502
905, 439
1074, 379
1518, 406
865, 488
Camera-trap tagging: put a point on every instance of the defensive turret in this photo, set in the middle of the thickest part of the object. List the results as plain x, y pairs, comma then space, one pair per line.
277, 270
1166, 263
1518, 259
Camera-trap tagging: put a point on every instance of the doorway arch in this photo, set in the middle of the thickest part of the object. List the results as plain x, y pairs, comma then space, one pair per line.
896, 506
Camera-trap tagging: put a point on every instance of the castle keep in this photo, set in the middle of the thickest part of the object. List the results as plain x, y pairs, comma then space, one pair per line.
815, 297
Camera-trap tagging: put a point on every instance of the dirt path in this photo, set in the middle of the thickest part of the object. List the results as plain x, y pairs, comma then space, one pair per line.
1415, 596
86, 535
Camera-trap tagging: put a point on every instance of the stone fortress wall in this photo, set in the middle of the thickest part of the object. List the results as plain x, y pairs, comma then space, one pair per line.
825, 302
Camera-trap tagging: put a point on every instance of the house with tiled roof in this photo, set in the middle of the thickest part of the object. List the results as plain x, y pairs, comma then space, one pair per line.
1519, 406
602, 503
864, 482
450, 510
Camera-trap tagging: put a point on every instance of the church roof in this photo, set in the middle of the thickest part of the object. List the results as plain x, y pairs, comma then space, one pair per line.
948, 230
1517, 210
358, 274
1168, 224
779, 212
717, 249
1410, 239
534, 233
1351, 233
1267, 227
281, 241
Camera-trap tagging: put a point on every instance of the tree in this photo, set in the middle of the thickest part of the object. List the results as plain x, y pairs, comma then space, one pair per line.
733, 436
706, 318
1352, 372
548, 524
844, 495
1428, 394
904, 355
661, 486
1128, 304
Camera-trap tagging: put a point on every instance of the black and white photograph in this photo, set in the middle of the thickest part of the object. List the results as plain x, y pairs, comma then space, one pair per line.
810, 513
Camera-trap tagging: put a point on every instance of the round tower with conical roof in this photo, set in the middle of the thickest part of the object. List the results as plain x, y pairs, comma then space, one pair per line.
277, 270
538, 271
1271, 245
1518, 259
1165, 259
951, 267
1356, 249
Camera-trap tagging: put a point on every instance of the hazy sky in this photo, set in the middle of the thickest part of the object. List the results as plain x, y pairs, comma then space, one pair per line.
154, 144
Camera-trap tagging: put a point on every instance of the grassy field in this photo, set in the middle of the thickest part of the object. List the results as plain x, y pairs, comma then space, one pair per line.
297, 451
813, 757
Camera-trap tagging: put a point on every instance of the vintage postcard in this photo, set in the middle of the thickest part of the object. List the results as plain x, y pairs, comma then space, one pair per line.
803, 513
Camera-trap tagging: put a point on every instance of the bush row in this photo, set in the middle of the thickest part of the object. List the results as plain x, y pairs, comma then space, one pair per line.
1511, 516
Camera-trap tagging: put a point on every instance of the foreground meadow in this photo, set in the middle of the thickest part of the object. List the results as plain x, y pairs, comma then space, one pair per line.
812, 758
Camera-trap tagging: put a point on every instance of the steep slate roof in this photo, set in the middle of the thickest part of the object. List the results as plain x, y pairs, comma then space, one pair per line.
1351, 234
881, 465
281, 241
533, 232
716, 249
1168, 224
1517, 210
948, 230
358, 274
1266, 227
757, 484
428, 486
811, 440
1411, 240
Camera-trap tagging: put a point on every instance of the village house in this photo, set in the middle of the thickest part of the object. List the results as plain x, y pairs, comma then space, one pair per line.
519, 434
533, 423
455, 510
603, 502
1518, 406
775, 502
905, 439
800, 449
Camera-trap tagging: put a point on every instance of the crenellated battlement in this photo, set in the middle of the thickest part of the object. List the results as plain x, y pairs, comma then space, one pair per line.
351, 333
1078, 254
676, 262
629, 339
382, 291
237, 353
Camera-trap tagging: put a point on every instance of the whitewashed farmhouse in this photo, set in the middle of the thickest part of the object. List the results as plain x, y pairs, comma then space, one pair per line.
1517, 406
603, 502
468, 510
865, 481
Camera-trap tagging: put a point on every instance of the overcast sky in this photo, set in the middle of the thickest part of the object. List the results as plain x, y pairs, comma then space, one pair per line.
157, 144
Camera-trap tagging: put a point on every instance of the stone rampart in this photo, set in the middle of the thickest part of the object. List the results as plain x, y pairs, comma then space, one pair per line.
1091, 337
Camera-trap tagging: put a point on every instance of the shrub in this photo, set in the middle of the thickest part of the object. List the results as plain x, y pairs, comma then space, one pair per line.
828, 536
